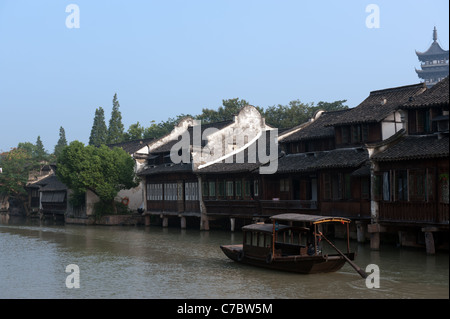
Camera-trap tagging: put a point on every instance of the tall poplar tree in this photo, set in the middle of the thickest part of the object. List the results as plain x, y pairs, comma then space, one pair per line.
39, 152
62, 142
115, 129
99, 131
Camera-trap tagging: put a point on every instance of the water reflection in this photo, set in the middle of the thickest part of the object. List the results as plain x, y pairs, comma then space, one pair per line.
153, 262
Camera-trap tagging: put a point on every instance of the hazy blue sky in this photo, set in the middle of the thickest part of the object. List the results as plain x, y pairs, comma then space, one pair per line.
165, 58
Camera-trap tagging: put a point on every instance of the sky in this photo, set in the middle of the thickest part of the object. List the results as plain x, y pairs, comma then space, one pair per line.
172, 57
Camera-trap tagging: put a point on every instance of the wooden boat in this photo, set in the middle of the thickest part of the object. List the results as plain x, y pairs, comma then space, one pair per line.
291, 243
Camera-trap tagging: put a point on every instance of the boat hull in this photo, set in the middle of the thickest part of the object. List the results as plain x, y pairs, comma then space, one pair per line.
298, 264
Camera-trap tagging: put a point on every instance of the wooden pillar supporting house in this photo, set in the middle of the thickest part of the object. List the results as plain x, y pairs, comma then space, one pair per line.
165, 221
233, 223
147, 219
375, 230
361, 231
183, 222
429, 239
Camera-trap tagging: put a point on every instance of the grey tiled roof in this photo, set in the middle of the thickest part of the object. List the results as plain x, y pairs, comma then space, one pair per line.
166, 168
438, 94
378, 105
316, 129
337, 158
415, 147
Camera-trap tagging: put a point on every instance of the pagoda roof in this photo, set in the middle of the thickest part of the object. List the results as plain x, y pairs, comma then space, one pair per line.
434, 51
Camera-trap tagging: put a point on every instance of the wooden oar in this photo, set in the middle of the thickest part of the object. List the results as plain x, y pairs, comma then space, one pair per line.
362, 273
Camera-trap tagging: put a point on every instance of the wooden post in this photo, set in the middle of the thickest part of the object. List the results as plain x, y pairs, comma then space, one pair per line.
165, 222
429, 242
232, 222
348, 238
360, 231
183, 222
147, 219
429, 239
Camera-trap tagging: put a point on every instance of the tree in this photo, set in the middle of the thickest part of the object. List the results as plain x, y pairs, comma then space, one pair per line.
225, 112
102, 170
62, 142
115, 128
40, 153
135, 132
285, 116
99, 131
162, 128
16, 166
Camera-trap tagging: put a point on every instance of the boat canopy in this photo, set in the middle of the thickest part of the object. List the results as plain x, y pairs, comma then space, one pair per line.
315, 219
264, 228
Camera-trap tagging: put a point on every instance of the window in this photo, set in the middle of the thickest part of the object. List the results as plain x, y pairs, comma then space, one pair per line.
345, 131
347, 186
365, 188
326, 186
365, 132
337, 186
205, 189
191, 191
356, 133
443, 185
154, 191
170, 191
238, 188
256, 187
247, 191
416, 185
401, 185
220, 188
212, 189
386, 187
230, 190
284, 185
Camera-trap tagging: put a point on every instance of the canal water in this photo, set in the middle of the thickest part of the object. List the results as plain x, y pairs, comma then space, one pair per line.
171, 263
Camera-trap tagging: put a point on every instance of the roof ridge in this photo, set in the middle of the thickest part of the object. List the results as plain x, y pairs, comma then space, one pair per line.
399, 88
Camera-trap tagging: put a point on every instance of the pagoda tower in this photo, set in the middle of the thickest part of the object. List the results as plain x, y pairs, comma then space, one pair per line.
434, 63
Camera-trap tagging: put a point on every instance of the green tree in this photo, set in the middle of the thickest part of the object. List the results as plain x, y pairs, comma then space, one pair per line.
331, 106
16, 166
102, 170
39, 153
62, 142
285, 116
135, 132
225, 112
162, 128
99, 131
115, 128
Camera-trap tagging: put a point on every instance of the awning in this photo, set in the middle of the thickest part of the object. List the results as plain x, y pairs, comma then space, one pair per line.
53, 197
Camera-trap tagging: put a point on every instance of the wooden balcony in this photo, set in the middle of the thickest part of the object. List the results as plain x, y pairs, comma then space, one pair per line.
233, 208
273, 207
251, 208
414, 212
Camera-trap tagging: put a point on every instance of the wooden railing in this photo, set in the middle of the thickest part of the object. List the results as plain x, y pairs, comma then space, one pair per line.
414, 212
272, 207
249, 208
243, 208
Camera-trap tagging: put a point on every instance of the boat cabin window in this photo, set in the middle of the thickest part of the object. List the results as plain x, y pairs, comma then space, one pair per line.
292, 236
257, 239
